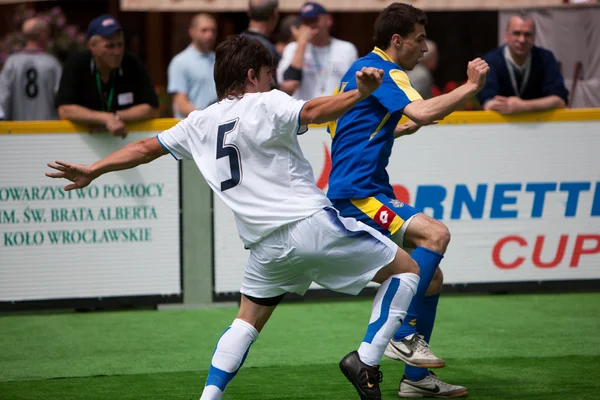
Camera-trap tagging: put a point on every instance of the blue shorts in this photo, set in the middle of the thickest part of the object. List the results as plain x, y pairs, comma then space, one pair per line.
387, 216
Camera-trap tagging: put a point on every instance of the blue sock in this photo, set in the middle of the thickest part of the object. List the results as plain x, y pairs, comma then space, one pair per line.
409, 325
428, 261
427, 313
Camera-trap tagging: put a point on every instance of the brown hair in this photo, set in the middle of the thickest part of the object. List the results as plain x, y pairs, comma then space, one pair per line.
234, 57
397, 18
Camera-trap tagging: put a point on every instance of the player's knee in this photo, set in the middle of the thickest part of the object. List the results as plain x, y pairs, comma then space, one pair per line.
440, 237
436, 284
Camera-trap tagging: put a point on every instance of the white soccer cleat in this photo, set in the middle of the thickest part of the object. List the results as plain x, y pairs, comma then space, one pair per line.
431, 386
414, 351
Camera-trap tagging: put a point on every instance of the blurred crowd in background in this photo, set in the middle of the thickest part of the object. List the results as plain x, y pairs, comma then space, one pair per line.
55, 69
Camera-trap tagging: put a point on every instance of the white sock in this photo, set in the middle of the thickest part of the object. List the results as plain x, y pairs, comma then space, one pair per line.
231, 351
389, 309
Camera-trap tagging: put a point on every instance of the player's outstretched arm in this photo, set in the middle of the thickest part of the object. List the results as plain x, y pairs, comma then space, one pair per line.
424, 112
136, 153
330, 108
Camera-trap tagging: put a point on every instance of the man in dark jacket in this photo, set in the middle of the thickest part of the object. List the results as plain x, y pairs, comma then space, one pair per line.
522, 77
105, 87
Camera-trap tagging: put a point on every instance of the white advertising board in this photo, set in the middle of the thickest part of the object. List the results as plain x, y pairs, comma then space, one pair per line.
522, 200
117, 237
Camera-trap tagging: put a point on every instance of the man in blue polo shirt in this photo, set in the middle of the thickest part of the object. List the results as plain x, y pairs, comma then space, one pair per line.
191, 81
523, 77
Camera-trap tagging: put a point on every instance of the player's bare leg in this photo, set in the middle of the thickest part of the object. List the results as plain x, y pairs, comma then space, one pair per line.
410, 344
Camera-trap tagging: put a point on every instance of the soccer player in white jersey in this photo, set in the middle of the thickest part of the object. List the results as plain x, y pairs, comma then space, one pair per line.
29, 80
246, 147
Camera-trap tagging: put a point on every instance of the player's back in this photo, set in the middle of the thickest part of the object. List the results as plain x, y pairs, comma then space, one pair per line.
248, 152
34, 78
362, 139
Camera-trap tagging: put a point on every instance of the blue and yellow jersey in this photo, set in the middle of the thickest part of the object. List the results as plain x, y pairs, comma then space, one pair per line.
364, 136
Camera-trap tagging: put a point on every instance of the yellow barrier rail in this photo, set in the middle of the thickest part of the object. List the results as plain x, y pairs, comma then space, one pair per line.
458, 118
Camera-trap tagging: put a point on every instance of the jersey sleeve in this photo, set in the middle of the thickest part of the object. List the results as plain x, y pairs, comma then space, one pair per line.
395, 91
6, 88
176, 140
284, 113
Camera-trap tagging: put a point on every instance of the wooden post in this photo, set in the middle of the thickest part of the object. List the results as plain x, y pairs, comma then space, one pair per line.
155, 45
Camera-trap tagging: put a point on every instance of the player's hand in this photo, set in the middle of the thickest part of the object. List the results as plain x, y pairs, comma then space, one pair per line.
303, 34
477, 71
368, 80
80, 175
115, 126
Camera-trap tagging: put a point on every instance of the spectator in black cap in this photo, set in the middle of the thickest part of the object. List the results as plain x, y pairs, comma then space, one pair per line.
105, 87
314, 64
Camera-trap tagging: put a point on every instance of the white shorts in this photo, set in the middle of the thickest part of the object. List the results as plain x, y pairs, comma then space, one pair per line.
338, 253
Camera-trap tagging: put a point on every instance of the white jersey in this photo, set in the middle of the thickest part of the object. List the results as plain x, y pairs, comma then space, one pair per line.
323, 67
247, 150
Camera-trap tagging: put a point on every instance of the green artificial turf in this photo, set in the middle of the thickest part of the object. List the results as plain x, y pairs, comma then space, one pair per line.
500, 347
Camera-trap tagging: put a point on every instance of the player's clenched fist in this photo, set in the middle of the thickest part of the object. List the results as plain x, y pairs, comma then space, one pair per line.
477, 70
368, 80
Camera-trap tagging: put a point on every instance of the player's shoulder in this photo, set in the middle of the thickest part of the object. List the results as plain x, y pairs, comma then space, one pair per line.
272, 96
373, 59
12, 60
53, 60
29, 55
212, 113
49, 60
267, 102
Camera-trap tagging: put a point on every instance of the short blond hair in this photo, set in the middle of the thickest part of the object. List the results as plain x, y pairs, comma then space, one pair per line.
33, 28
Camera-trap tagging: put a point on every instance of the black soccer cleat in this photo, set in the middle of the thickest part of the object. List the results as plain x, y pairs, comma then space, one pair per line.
365, 378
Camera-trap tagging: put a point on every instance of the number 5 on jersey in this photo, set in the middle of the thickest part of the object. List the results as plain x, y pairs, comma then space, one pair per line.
230, 151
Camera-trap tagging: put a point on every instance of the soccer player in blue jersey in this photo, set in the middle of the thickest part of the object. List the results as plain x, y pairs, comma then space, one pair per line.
359, 184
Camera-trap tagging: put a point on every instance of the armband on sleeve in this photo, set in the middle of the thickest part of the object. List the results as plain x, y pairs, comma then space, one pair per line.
292, 74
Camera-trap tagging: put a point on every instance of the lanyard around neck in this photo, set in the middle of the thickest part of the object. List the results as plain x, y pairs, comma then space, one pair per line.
100, 93
513, 79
